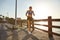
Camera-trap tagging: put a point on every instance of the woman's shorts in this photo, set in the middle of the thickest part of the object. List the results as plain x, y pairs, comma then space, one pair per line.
29, 18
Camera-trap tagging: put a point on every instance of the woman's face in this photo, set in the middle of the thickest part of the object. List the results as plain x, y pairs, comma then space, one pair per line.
30, 8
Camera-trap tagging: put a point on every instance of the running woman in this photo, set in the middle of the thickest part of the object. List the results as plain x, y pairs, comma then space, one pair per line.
30, 21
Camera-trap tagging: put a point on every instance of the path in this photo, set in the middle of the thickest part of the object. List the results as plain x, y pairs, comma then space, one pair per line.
22, 34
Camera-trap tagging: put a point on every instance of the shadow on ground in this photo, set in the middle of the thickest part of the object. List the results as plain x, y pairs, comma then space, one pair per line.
3, 33
51, 37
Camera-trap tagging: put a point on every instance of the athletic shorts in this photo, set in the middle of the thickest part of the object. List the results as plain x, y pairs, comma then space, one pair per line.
29, 18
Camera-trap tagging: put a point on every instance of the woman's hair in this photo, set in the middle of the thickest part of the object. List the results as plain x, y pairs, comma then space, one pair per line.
30, 6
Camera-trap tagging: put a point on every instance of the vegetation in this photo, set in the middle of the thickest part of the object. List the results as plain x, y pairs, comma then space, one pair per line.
10, 20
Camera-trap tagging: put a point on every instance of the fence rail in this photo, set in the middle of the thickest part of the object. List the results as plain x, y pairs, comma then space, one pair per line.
47, 25
46, 20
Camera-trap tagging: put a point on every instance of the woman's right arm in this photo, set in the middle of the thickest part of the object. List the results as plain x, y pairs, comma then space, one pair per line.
26, 13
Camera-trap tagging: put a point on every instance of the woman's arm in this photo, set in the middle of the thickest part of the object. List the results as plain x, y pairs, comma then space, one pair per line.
33, 13
26, 13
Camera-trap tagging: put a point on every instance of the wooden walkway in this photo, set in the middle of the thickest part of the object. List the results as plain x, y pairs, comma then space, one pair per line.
22, 34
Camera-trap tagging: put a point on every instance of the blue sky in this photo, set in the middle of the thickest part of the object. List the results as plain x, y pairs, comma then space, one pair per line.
42, 8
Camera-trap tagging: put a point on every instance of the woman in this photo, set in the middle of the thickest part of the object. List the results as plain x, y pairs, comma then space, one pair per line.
29, 14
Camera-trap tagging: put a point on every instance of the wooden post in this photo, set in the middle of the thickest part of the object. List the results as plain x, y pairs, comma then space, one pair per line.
27, 23
21, 23
50, 26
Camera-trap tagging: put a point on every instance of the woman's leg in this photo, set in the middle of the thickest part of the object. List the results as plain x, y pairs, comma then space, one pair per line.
29, 25
32, 25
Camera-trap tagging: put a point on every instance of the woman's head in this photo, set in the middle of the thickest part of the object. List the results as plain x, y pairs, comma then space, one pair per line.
30, 7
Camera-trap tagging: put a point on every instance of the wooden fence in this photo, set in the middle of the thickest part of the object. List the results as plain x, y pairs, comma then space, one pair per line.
50, 26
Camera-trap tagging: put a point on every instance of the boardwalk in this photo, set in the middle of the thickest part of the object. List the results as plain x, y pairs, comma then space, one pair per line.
22, 34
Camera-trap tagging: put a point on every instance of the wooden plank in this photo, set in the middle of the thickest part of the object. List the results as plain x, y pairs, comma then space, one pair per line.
40, 20
47, 25
55, 19
37, 20
41, 25
50, 26
56, 26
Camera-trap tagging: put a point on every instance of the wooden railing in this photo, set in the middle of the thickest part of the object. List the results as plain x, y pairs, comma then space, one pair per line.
49, 20
50, 26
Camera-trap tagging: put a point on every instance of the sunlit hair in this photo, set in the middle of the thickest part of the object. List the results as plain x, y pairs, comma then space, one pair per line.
30, 6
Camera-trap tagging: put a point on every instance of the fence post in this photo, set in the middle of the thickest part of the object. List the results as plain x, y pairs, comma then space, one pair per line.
21, 23
49, 26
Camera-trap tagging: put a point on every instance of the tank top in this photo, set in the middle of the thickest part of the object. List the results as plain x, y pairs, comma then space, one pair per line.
30, 12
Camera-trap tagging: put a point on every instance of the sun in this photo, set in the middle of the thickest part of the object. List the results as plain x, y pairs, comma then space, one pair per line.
41, 11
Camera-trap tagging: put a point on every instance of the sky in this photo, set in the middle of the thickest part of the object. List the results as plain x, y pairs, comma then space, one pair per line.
41, 8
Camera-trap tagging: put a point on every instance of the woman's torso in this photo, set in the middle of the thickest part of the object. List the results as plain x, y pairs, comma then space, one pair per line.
30, 13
